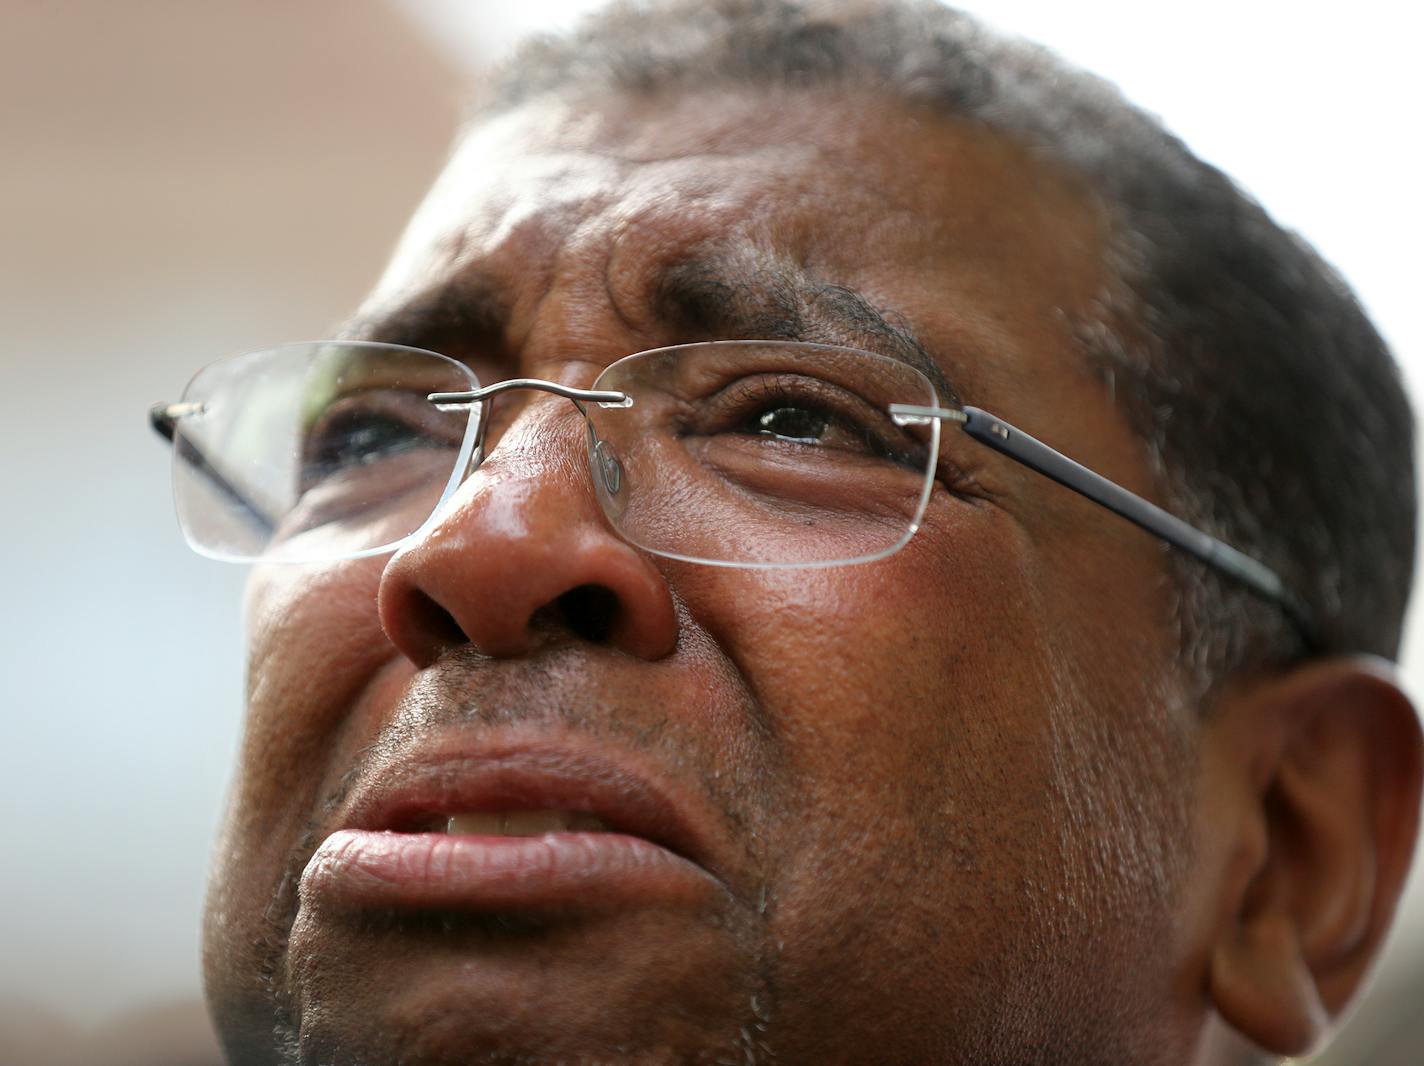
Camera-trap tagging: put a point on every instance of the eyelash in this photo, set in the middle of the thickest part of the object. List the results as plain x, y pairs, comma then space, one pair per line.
737, 401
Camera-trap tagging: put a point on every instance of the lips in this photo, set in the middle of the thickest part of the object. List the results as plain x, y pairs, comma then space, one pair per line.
533, 828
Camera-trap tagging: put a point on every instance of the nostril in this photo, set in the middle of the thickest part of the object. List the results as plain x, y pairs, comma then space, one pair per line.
440, 630
589, 611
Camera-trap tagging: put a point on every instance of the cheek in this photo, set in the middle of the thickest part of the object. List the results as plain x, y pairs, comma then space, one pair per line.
913, 703
927, 663
314, 644
901, 691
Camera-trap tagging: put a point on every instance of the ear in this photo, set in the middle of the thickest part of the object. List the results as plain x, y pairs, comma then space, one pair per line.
1316, 779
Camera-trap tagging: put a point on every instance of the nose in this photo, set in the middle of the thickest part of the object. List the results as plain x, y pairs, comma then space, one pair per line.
523, 555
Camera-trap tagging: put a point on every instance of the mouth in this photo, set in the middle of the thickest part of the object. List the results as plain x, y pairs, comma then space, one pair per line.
515, 828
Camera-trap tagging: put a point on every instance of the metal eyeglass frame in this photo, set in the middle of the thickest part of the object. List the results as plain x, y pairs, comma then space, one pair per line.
980, 425
1008, 440
1019, 446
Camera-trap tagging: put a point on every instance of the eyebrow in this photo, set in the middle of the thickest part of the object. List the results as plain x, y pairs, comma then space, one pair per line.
714, 298
710, 297
454, 319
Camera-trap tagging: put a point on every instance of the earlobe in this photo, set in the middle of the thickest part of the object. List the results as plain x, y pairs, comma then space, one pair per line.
1263, 988
1329, 759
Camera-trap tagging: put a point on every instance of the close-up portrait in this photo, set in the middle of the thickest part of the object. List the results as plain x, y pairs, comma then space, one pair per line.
743, 532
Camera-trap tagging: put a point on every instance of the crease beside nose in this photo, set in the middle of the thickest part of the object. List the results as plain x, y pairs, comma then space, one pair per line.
519, 560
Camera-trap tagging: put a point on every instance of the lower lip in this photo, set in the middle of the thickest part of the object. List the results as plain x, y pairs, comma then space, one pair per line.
356, 869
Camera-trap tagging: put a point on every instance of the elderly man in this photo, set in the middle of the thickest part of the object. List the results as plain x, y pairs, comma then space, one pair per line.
711, 656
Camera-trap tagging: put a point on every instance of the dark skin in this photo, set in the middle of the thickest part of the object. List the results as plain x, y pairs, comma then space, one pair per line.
960, 807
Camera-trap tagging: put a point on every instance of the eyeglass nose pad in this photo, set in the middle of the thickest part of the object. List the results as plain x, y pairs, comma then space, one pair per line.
609, 469
607, 476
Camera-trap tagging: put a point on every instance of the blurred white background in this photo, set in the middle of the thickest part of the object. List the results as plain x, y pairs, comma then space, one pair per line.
180, 181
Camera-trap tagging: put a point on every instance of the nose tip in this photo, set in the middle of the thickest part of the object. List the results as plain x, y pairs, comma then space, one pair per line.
522, 559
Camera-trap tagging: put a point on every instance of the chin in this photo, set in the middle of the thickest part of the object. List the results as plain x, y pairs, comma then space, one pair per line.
452, 989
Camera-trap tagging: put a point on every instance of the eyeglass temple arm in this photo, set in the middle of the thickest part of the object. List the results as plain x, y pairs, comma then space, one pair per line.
1033, 453
163, 417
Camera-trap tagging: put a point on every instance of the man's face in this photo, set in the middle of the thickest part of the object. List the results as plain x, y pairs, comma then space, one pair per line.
923, 809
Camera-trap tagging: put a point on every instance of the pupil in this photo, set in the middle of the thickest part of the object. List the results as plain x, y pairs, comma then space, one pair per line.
361, 441
794, 423
373, 437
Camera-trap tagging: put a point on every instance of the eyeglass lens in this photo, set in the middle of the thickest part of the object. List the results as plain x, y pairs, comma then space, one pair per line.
317, 451
763, 454
741, 453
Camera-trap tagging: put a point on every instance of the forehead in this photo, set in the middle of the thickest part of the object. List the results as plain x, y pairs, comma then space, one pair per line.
960, 234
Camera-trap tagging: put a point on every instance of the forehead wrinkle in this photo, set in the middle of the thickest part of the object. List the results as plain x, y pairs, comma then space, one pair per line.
722, 296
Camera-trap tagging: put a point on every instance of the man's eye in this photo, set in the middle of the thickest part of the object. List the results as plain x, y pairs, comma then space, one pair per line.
352, 438
796, 409
799, 424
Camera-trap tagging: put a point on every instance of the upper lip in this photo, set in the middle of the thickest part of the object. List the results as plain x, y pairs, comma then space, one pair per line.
419, 789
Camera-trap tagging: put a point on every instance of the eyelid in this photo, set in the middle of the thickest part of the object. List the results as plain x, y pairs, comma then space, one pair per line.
842, 405
404, 405
776, 385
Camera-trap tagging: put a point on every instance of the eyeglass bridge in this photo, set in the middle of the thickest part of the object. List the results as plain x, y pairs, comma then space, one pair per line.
603, 398
606, 464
